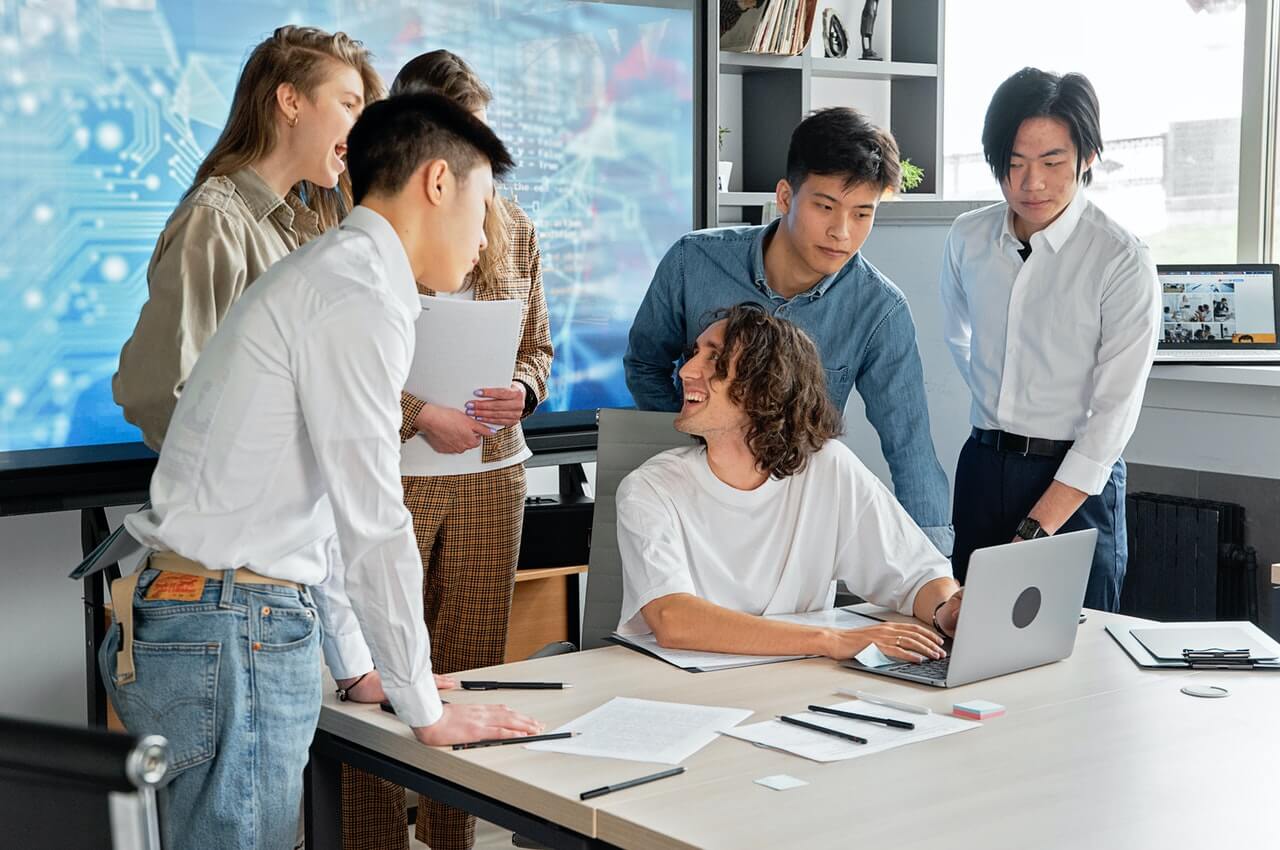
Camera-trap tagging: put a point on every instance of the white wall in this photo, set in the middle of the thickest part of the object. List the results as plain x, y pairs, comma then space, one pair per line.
42, 667
907, 248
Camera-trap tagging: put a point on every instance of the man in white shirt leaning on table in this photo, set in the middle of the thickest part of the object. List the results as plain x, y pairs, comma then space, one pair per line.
1052, 312
280, 478
768, 512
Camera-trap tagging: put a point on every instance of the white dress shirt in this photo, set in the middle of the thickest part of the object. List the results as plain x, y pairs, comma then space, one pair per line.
777, 549
283, 455
1060, 346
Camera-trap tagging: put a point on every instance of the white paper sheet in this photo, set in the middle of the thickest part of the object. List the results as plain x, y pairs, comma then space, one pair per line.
825, 748
701, 662
461, 347
644, 730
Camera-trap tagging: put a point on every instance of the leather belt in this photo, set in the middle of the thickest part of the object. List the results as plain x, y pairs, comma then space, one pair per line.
122, 590
1003, 441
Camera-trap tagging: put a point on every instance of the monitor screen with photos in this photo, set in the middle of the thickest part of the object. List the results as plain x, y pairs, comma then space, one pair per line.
1219, 307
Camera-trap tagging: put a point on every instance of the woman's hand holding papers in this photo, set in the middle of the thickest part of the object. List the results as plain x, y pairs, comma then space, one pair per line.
903, 641
462, 724
450, 431
498, 406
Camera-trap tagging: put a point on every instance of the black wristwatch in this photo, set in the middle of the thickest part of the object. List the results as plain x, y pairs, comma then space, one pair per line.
530, 400
1029, 529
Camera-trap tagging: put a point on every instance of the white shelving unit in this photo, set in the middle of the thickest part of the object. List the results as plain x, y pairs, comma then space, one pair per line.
761, 98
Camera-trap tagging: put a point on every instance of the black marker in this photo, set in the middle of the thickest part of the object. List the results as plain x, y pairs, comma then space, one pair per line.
835, 733
867, 718
474, 685
630, 783
527, 739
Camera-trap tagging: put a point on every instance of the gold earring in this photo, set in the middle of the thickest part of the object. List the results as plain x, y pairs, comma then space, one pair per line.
293, 122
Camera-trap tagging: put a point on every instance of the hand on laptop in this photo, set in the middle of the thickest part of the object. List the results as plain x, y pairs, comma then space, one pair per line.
462, 724
903, 641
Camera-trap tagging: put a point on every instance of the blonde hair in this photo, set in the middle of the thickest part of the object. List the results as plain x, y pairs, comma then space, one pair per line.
444, 72
302, 57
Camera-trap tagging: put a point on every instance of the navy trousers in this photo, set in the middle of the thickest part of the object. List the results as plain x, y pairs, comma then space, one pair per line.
994, 492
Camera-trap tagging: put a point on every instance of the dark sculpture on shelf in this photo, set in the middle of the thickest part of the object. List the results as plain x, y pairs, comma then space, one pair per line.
868, 25
835, 41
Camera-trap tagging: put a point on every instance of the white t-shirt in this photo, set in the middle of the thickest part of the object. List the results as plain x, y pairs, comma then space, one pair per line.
778, 549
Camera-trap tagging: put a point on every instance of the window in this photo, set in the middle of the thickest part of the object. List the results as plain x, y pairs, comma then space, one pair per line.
1168, 75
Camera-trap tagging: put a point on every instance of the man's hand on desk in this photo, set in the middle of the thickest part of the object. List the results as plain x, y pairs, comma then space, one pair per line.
461, 724
499, 406
450, 431
903, 641
369, 687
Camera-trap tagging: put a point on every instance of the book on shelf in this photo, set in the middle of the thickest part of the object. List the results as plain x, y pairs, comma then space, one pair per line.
777, 27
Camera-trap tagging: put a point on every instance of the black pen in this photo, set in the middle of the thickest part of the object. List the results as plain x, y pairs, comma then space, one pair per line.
835, 733
527, 739
853, 715
630, 783
474, 685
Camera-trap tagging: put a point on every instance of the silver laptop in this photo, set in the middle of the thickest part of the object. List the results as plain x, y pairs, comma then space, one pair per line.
1225, 313
1021, 609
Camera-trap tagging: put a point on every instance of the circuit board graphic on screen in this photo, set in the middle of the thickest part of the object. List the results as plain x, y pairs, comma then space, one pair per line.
108, 107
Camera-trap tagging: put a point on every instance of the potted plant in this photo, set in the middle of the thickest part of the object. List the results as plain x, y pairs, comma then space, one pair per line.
912, 175
724, 168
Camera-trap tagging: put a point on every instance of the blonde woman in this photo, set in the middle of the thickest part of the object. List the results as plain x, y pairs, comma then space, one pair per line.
274, 179
468, 503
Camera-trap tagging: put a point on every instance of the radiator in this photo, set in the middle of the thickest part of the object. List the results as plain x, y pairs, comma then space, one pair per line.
1188, 561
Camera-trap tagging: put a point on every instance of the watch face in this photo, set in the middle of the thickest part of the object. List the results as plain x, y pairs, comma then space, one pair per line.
1029, 529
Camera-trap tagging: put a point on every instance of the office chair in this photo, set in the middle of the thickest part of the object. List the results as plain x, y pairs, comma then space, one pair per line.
627, 439
72, 788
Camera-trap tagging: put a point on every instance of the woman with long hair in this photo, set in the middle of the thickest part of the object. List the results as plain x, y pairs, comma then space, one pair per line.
275, 178
467, 498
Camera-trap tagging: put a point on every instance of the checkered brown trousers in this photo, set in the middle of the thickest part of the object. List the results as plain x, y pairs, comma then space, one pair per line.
468, 530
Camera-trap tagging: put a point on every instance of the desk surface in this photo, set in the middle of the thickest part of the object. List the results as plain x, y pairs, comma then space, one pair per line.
1093, 752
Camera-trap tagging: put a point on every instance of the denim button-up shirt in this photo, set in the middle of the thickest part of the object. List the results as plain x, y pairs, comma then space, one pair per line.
858, 319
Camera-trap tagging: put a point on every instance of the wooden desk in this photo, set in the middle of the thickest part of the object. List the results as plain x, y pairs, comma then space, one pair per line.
1094, 752
544, 609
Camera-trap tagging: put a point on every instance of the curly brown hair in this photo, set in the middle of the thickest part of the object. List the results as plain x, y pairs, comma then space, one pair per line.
779, 383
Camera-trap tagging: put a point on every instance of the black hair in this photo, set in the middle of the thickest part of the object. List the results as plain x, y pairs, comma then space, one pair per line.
393, 137
841, 141
1032, 93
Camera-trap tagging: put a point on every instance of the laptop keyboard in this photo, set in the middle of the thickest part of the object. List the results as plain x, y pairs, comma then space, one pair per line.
934, 668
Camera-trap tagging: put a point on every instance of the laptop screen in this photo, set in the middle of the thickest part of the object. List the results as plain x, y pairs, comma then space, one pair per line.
1218, 307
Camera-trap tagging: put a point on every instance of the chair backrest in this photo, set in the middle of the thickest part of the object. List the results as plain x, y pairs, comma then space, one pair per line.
627, 439
67, 787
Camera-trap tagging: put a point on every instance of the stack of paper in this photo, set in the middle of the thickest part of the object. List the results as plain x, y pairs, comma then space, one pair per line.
644, 730
702, 662
824, 748
776, 26
461, 346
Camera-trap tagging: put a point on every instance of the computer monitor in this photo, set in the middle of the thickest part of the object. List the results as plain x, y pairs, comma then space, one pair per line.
1223, 313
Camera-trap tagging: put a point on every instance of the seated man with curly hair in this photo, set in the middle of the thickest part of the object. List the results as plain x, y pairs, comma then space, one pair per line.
768, 511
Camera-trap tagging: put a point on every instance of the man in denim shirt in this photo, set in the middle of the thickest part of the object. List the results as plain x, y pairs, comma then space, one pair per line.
806, 267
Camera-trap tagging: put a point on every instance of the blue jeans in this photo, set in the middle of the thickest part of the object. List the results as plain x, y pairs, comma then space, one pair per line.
994, 492
233, 680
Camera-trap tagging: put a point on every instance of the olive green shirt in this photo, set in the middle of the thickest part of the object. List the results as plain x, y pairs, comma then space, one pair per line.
222, 236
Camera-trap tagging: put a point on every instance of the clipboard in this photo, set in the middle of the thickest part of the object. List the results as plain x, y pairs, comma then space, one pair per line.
1122, 633
118, 546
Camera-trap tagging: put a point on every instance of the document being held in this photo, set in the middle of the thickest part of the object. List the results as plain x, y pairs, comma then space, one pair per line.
461, 346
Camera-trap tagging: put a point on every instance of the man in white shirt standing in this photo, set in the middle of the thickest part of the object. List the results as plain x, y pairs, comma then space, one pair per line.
279, 478
768, 512
1052, 312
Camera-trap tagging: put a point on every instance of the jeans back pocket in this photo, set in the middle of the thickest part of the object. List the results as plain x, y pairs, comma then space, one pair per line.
175, 695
